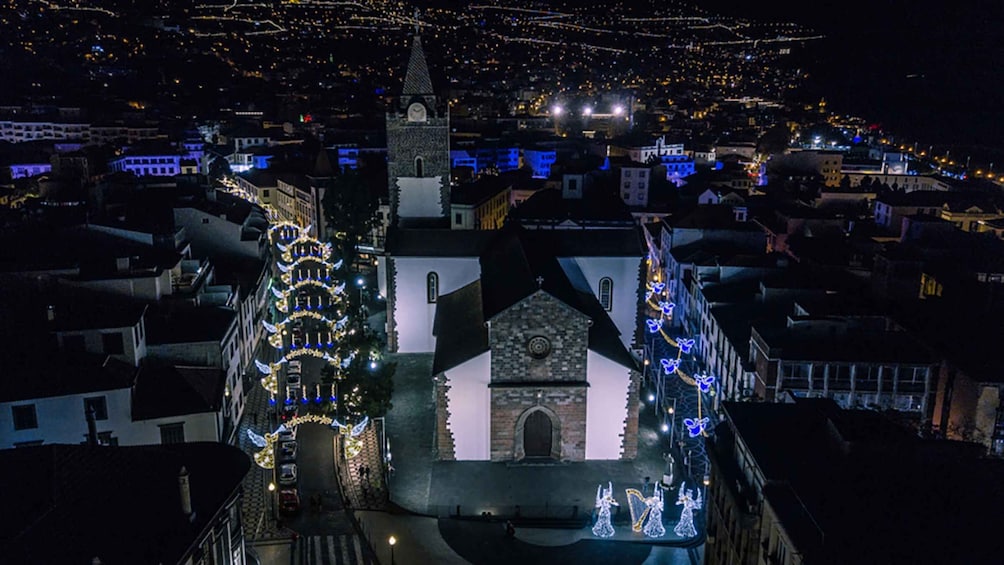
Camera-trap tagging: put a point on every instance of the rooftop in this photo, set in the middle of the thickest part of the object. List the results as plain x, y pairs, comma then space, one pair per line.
120, 504
850, 460
56, 374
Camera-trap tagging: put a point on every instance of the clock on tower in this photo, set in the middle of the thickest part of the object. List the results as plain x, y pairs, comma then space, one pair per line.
416, 112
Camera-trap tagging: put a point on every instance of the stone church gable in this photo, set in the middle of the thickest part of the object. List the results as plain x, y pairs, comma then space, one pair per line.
560, 336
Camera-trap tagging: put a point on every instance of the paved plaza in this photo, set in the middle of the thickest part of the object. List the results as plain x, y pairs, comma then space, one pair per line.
561, 493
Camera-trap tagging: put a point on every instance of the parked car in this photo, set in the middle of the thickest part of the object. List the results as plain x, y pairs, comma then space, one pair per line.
287, 452
289, 411
289, 500
287, 474
295, 366
293, 379
288, 434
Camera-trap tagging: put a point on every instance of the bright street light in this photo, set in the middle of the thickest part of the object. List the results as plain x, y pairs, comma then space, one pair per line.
587, 111
556, 110
618, 110
392, 540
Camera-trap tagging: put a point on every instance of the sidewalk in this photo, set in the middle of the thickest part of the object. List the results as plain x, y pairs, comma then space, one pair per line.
418, 539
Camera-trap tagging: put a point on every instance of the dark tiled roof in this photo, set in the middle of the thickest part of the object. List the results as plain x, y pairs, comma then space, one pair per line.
163, 391
479, 191
262, 178
460, 328
796, 344
709, 216
436, 242
93, 251
121, 504
596, 207
189, 324
848, 486
56, 374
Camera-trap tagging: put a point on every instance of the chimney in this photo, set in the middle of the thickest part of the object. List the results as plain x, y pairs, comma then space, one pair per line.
186, 494
92, 427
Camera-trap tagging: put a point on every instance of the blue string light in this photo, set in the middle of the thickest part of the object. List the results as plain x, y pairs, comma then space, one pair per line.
654, 325
685, 344
704, 382
695, 427
670, 365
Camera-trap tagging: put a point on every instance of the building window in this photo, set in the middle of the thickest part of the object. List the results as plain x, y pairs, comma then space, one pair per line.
73, 343
458, 219
112, 343
432, 287
172, 433
24, 417
419, 166
99, 405
606, 293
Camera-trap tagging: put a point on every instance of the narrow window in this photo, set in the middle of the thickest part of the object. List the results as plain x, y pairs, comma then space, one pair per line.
432, 287
24, 417
606, 294
112, 343
172, 433
419, 167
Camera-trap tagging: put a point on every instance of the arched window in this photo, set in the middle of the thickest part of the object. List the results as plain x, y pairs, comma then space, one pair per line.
418, 167
606, 294
432, 287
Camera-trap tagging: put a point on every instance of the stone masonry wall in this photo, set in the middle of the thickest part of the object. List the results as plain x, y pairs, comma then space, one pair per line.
567, 331
445, 448
629, 449
539, 315
569, 403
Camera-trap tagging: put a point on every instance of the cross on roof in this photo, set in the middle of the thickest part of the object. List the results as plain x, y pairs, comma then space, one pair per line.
540, 281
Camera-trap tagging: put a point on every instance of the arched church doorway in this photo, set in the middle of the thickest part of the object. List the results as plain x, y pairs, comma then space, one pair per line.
537, 435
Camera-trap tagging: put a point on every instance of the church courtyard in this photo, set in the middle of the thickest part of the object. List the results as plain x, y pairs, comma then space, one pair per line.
561, 493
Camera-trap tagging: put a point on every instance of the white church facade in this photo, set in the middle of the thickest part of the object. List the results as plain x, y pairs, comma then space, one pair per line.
531, 329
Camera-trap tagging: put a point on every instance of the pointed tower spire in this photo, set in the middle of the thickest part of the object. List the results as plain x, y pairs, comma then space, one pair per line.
417, 80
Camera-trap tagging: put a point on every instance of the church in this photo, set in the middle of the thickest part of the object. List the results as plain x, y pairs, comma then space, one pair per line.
530, 326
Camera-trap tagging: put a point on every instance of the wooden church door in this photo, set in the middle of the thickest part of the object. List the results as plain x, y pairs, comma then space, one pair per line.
537, 435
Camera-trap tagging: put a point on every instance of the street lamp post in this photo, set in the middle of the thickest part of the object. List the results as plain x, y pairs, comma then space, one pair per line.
271, 496
360, 284
671, 410
392, 541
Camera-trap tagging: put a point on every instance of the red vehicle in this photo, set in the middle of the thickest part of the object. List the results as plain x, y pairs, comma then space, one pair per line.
289, 501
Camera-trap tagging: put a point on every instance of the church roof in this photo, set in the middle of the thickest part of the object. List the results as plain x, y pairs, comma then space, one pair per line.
624, 241
417, 80
459, 328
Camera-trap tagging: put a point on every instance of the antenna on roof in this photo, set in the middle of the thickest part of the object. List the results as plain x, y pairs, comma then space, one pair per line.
417, 30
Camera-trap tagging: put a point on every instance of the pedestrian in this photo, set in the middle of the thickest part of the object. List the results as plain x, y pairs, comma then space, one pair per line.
510, 530
362, 472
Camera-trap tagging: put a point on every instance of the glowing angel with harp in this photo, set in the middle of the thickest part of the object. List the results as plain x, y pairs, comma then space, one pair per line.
604, 500
650, 507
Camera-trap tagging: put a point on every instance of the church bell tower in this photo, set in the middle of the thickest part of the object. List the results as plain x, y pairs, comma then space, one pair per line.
418, 148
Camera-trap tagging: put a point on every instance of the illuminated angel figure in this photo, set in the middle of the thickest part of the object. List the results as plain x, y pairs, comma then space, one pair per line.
653, 527
685, 527
642, 508
604, 500
350, 436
